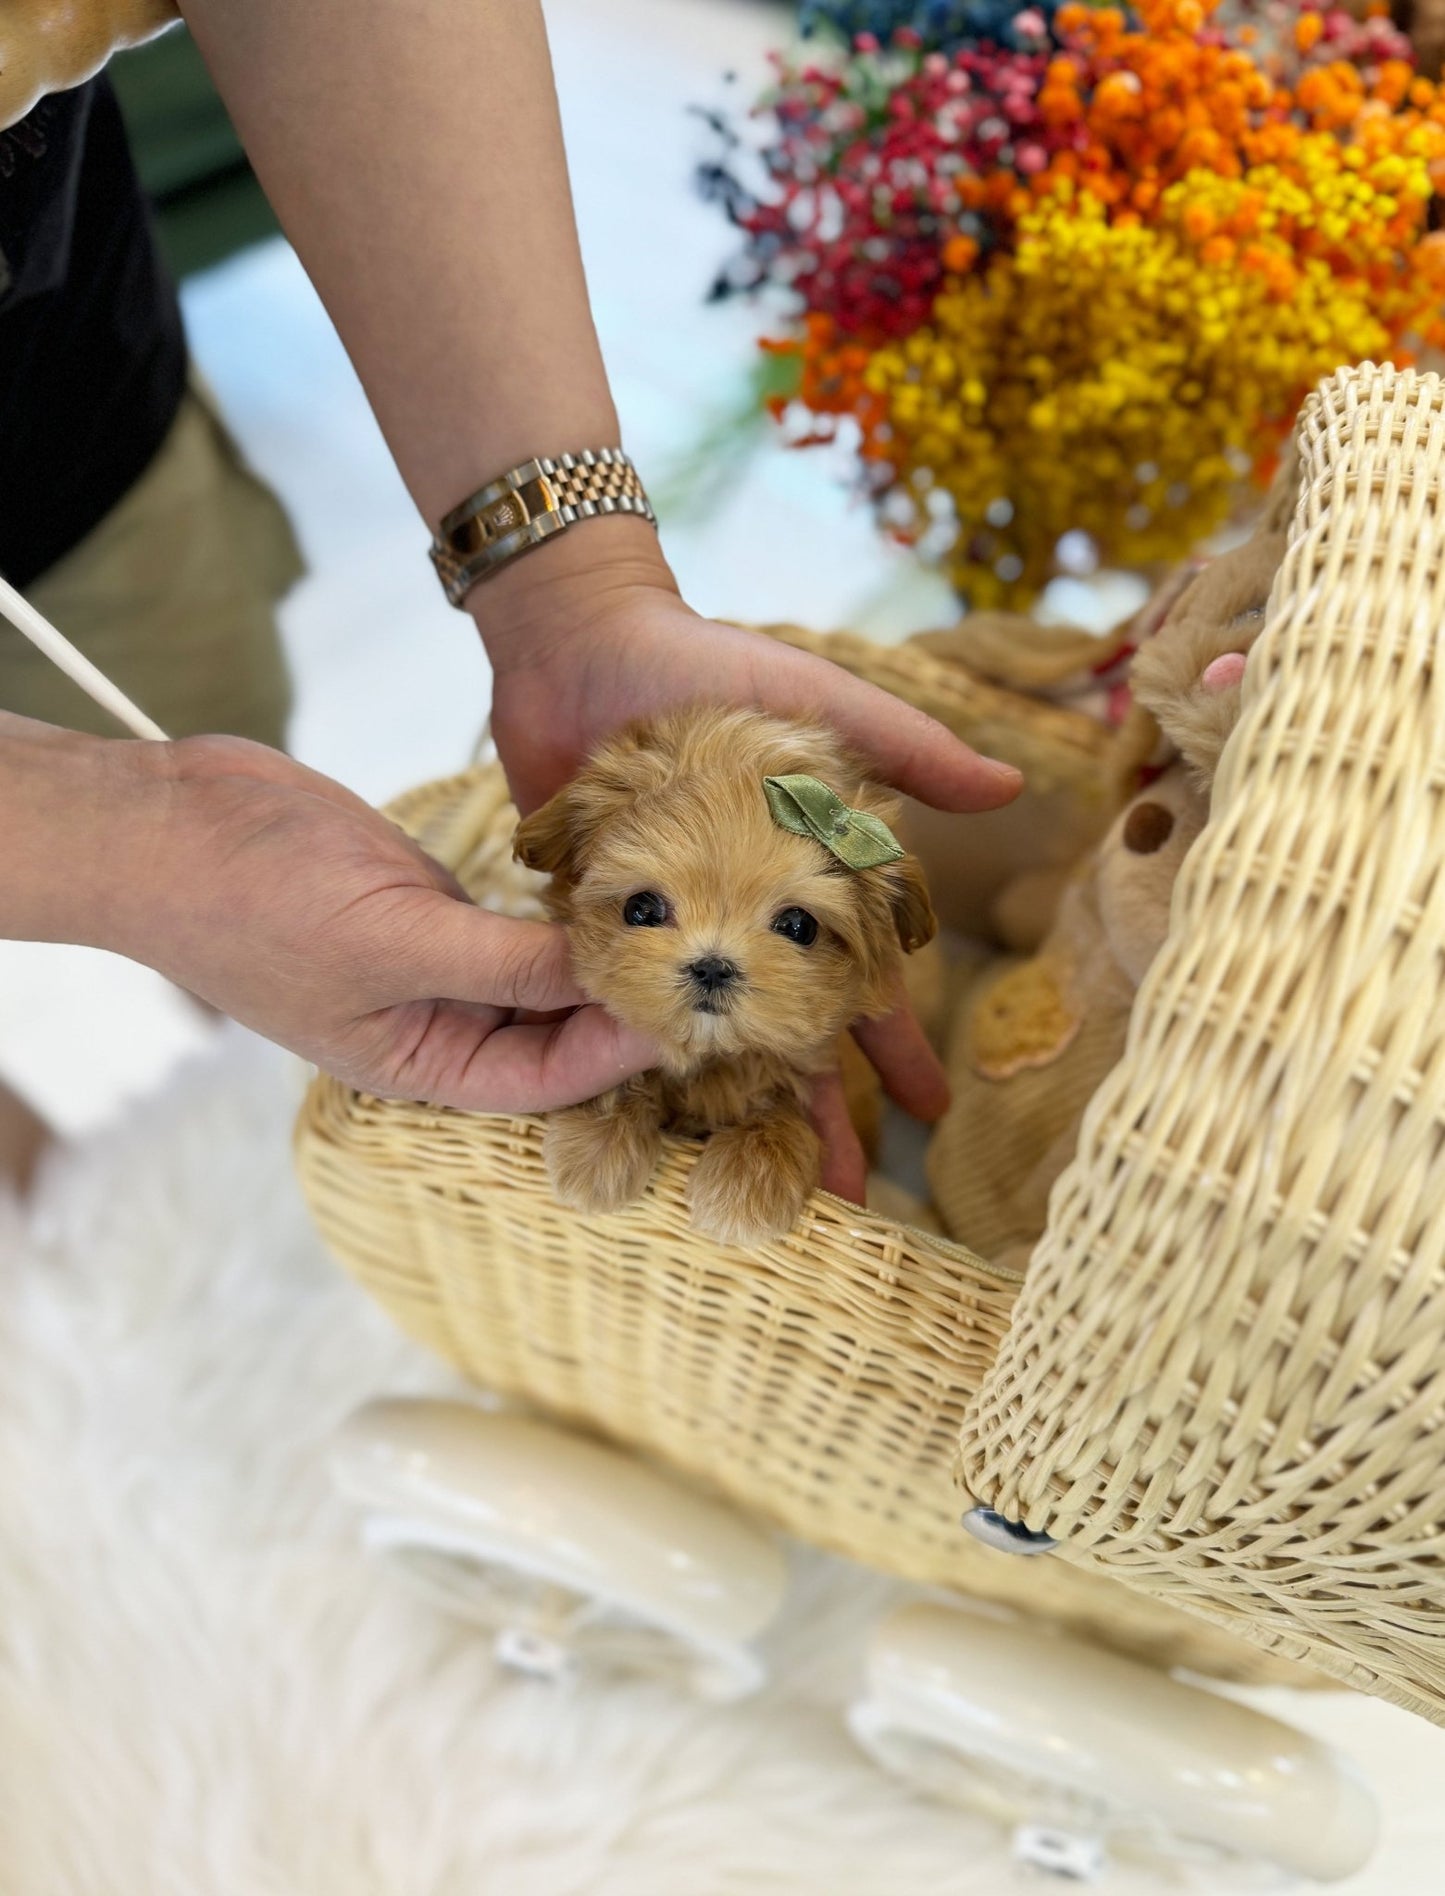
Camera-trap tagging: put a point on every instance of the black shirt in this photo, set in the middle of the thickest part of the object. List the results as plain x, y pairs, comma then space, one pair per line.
92, 355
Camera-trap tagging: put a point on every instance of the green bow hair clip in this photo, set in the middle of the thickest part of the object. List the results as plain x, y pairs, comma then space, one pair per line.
809, 808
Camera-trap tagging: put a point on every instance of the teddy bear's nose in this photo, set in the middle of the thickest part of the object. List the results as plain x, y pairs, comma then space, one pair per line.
711, 972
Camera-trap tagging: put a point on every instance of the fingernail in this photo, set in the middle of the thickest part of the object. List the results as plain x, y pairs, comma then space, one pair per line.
1226, 671
1006, 773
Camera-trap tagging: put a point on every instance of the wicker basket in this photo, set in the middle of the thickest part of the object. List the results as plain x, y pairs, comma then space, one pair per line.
1225, 1381
821, 1381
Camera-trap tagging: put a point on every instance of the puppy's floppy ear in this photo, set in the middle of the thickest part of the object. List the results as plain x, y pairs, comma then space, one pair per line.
548, 838
556, 838
913, 918
894, 914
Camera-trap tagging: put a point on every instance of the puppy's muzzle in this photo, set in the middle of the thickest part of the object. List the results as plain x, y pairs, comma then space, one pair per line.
713, 979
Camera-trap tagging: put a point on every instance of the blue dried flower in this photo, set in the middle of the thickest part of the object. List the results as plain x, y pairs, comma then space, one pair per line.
940, 24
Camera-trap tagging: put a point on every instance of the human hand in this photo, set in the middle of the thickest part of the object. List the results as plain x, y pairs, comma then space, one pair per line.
592, 633
282, 899
911, 1075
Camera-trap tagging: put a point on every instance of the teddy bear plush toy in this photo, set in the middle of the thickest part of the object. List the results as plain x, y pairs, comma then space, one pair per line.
1034, 1035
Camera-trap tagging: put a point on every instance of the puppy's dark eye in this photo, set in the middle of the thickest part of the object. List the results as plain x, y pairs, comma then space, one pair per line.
646, 909
798, 925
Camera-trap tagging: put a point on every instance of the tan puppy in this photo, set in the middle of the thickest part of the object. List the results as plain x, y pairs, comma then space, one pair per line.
743, 949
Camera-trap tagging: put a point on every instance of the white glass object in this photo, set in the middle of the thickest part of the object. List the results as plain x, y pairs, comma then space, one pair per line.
1085, 1753
572, 1554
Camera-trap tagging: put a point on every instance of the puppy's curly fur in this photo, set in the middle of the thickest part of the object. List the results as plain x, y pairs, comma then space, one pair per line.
665, 861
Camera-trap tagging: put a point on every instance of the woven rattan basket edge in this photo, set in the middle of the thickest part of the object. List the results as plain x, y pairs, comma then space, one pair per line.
1086, 1603
683, 1151
1322, 1667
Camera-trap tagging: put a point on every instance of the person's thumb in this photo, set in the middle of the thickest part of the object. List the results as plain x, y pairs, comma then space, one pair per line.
452, 951
532, 1068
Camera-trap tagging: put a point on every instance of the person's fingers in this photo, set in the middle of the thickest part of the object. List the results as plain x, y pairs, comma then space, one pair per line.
452, 951
845, 1169
461, 1061
910, 1070
909, 749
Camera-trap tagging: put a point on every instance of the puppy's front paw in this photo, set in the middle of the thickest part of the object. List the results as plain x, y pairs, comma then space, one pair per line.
598, 1161
751, 1182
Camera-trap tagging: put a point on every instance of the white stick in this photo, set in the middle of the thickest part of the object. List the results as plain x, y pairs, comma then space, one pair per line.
94, 683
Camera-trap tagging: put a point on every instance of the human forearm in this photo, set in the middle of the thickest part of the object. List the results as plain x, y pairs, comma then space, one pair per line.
72, 811
414, 156
413, 152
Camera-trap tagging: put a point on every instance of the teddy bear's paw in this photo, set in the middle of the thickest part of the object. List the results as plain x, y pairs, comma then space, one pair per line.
598, 1161
750, 1183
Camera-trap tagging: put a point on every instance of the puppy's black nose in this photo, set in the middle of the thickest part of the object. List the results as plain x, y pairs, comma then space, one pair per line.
711, 973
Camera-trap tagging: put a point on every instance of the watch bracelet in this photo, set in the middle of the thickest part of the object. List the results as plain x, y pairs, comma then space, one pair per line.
526, 506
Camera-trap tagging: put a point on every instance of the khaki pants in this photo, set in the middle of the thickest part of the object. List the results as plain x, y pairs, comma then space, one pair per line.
173, 596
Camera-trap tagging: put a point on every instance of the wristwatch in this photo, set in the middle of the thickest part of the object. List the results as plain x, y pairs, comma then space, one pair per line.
529, 504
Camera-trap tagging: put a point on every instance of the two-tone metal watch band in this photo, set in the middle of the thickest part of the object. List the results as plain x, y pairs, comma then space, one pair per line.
522, 508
